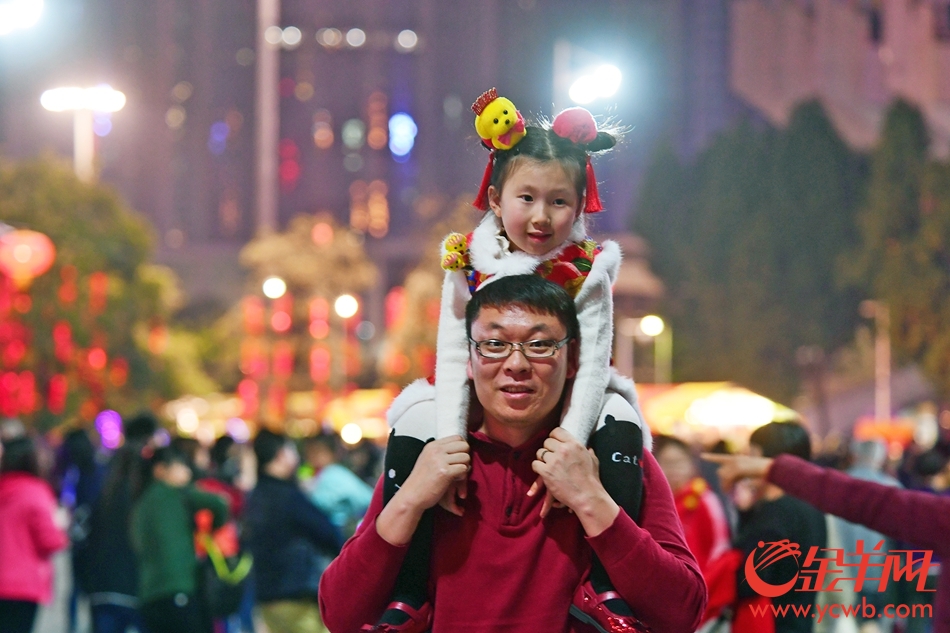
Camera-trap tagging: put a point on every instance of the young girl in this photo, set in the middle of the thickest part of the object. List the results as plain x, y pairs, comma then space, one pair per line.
539, 185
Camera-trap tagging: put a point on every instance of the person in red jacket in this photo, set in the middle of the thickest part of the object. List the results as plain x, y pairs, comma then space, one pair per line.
502, 559
921, 518
29, 535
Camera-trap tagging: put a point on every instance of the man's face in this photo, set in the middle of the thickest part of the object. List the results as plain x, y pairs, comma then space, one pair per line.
517, 391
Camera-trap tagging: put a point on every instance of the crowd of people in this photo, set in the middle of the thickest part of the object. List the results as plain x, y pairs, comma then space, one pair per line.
130, 518
143, 522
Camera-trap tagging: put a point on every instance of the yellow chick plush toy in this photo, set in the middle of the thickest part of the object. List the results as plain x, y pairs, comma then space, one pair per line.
455, 252
497, 121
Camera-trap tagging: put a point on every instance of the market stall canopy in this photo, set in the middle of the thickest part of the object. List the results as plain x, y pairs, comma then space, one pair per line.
708, 411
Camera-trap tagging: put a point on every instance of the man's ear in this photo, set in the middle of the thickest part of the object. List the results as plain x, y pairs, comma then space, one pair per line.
494, 200
573, 358
468, 367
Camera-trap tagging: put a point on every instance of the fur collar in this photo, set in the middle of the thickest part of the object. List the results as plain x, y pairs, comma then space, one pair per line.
490, 254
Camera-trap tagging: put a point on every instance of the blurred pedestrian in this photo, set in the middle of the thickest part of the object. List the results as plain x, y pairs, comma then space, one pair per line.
704, 520
31, 531
224, 461
290, 538
915, 516
163, 528
82, 475
334, 488
112, 565
774, 516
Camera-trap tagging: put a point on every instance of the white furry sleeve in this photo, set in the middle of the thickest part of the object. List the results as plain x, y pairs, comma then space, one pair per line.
451, 378
595, 309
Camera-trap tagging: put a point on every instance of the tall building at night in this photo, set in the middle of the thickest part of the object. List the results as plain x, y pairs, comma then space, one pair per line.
855, 57
182, 150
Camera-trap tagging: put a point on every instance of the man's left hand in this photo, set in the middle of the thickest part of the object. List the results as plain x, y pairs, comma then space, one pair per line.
570, 472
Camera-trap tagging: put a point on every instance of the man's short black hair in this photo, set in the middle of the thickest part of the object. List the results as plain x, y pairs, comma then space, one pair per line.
266, 446
782, 438
530, 292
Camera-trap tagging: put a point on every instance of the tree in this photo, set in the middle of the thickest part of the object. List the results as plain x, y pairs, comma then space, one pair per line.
266, 355
93, 329
409, 349
903, 258
746, 238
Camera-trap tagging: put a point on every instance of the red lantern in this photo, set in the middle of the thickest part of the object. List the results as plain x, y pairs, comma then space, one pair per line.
25, 255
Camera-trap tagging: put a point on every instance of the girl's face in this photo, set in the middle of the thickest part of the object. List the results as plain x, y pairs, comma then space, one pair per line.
537, 205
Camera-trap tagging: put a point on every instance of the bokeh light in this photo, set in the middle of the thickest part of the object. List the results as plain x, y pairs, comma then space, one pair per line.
109, 426
406, 41
19, 14
351, 433
346, 306
238, 430
274, 287
652, 325
353, 133
187, 420
600, 83
291, 37
402, 134
356, 37
101, 98
274, 35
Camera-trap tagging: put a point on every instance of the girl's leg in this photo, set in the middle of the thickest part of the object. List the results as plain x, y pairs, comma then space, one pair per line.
618, 445
409, 436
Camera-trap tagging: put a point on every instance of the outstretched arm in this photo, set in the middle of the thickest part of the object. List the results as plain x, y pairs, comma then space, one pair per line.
918, 517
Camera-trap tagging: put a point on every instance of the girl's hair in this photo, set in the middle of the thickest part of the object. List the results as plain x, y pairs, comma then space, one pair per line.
542, 144
781, 438
20, 456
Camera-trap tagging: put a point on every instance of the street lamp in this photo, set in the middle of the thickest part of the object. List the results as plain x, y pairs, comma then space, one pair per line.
581, 76
19, 14
83, 102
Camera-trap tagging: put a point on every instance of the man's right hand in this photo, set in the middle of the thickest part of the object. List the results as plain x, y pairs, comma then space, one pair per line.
440, 466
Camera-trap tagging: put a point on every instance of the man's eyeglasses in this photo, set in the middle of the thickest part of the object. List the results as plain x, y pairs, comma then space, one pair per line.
495, 349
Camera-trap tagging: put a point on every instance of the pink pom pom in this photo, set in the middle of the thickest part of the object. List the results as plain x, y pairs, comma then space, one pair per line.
576, 124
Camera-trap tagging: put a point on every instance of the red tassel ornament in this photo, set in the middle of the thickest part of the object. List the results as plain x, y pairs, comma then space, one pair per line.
593, 204
481, 200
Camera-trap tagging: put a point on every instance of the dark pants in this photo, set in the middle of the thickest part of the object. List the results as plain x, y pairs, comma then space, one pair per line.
112, 618
17, 616
175, 614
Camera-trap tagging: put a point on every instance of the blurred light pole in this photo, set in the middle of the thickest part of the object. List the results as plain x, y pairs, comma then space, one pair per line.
83, 102
879, 311
623, 357
267, 114
654, 327
19, 14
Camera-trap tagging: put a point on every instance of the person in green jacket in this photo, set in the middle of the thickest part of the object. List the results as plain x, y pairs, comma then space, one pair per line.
163, 526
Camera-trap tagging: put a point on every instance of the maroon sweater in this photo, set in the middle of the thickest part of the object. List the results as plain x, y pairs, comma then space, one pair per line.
921, 518
501, 568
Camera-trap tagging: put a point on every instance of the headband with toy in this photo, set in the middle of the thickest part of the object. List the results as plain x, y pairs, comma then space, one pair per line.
501, 127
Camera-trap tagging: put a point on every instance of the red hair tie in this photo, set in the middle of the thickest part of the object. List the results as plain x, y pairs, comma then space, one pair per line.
593, 204
481, 200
